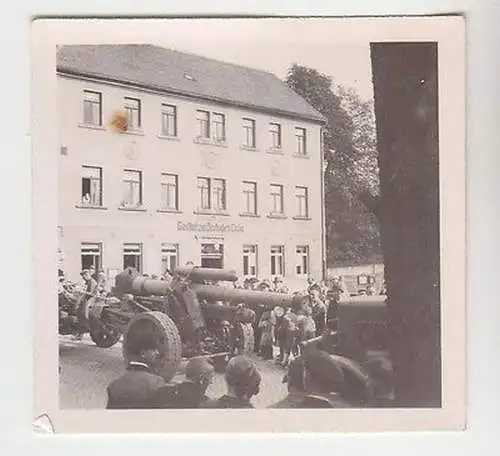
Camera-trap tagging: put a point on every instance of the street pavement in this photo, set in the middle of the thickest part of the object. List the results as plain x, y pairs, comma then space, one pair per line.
87, 370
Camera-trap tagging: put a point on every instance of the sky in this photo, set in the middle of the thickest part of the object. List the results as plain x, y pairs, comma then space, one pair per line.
274, 45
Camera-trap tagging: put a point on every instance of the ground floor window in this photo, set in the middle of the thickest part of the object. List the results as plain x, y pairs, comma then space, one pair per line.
250, 260
169, 257
91, 255
212, 255
132, 256
277, 260
302, 262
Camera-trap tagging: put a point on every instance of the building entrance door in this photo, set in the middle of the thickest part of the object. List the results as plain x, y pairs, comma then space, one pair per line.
212, 256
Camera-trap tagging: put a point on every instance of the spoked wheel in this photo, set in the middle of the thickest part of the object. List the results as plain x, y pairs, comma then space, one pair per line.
102, 335
167, 338
243, 338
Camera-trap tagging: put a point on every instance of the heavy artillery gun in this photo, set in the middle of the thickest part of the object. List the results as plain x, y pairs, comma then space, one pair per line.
187, 316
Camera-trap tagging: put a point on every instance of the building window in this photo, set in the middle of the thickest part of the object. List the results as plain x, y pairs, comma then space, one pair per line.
302, 264
91, 256
92, 108
300, 134
249, 133
203, 118
133, 113
250, 198
170, 192
218, 195
132, 256
168, 120
132, 188
169, 257
277, 199
301, 196
212, 194
204, 192
91, 186
275, 132
218, 127
250, 260
277, 260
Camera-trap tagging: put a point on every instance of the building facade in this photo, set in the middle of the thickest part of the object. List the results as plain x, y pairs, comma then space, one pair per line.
192, 178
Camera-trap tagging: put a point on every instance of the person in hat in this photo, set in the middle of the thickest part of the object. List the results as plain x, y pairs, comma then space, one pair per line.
287, 335
318, 311
266, 327
306, 327
190, 393
243, 382
199, 375
295, 380
314, 380
137, 386
89, 281
82, 303
265, 285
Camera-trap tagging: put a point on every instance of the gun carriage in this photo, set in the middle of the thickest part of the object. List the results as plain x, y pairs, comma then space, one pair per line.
187, 315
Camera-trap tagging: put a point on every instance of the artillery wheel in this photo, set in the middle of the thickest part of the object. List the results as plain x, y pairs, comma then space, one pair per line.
102, 335
243, 338
166, 334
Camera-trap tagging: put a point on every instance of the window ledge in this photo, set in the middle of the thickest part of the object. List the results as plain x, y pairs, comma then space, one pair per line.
301, 218
133, 132
89, 206
169, 211
209, 212
274, 151
249, 148
306, 156
132, 209
247, 214
277, 216
169, 138
91, 126
209, 142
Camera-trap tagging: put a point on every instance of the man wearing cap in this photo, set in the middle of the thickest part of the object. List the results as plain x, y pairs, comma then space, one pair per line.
314, 381
318, 311
243, 382
295, 379
190, 393
136, 388
199, 375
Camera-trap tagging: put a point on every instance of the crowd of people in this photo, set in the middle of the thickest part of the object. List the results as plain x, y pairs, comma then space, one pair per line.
293, 337
314, 380
287, 328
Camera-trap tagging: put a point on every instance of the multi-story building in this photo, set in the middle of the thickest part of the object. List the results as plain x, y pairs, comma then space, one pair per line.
219, 165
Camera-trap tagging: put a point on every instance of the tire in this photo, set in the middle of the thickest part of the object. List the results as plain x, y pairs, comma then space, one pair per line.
103, 336
244, 339
167, 337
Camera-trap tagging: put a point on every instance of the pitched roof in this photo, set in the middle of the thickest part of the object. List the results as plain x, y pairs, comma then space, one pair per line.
171, 71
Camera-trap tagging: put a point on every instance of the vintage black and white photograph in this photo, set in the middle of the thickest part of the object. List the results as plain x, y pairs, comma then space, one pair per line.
249, 215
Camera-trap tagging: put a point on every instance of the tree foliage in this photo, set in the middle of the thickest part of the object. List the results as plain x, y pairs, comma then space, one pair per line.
351, 175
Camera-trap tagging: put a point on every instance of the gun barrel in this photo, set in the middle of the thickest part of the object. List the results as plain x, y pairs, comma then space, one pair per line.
130, 281
199, 274
248, 297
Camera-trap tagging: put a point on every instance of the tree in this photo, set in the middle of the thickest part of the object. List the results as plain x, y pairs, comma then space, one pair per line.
351, 176
406, 104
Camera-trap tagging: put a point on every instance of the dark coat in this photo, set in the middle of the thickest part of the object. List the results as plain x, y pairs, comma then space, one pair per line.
227, 402
183, 395
134, 389
311, 401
